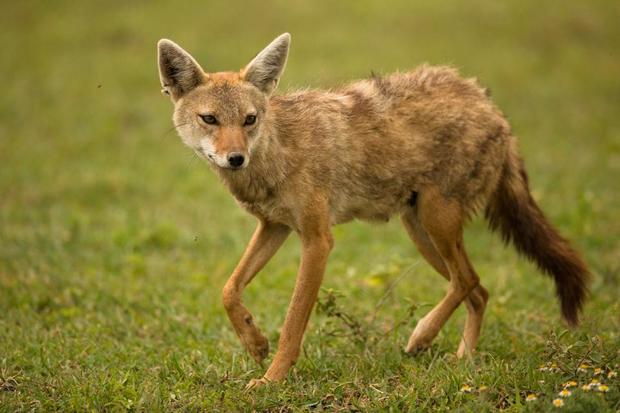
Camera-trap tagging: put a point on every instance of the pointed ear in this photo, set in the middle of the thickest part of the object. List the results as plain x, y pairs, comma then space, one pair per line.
265, 69
178, 71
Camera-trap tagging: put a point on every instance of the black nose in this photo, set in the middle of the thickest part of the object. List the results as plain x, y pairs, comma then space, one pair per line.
235, 159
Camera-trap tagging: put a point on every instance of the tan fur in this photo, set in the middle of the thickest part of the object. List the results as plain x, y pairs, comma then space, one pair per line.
427, 145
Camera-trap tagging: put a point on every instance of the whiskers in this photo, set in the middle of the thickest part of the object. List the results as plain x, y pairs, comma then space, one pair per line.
173, 128
196, 156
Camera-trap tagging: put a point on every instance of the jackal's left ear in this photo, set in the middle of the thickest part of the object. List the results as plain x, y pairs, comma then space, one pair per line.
265, 69
178, 71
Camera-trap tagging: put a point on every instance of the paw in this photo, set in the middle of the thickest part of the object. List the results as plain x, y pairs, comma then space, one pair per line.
418, 343
422, 337
256, 383
257, 346
464, 351
417, 347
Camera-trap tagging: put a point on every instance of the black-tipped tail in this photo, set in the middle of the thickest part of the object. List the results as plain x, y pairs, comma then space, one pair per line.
513, 212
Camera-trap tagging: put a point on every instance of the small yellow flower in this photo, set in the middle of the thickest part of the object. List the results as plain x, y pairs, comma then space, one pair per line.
583, 368
374, 281
531, 397
598, 371
603, 388
612, 374
595, 383
483, 388
558, 402
586, 387
565, 393
571, 383
466, 389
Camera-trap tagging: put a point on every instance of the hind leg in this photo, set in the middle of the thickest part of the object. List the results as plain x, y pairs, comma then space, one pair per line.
475, 301
435, 226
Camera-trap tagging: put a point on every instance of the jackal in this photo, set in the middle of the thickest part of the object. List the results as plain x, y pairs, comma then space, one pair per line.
427, 145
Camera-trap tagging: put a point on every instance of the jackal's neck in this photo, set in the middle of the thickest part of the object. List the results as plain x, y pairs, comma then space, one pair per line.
266, 171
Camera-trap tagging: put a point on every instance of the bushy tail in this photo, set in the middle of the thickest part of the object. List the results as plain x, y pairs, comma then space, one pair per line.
513, 212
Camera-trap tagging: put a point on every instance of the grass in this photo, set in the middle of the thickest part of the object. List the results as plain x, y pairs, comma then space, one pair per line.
115, 240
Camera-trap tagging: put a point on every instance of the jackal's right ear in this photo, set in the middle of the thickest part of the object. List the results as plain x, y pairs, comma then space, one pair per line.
178, 71
265, 69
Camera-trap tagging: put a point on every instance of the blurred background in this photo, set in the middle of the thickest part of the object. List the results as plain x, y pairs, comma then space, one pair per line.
115, 239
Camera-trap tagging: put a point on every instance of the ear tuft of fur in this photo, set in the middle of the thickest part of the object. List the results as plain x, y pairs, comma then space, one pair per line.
265, 69
178, 71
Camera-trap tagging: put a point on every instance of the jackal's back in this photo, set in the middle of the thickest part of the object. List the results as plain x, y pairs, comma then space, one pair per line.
372, 143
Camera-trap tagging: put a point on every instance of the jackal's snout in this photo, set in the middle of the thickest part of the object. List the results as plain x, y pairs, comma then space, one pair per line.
232, 145
235, 159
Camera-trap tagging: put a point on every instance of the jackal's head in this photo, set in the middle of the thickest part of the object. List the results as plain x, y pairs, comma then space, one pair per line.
219, 115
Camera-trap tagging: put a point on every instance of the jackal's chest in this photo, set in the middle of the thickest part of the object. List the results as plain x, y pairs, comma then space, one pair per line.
260, 199
270, 209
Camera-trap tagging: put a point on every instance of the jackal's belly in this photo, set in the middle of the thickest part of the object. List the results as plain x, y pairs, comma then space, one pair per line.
364, 209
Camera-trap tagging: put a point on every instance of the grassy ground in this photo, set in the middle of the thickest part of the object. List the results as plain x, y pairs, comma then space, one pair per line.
115, 240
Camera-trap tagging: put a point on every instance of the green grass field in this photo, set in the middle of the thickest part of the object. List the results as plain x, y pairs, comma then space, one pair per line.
115, 240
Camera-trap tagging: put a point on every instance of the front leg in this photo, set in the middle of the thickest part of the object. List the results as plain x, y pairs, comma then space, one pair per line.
266, 240
316, 242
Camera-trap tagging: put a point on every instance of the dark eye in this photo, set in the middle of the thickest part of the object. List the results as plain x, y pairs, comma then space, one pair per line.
209, 119
250, 120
